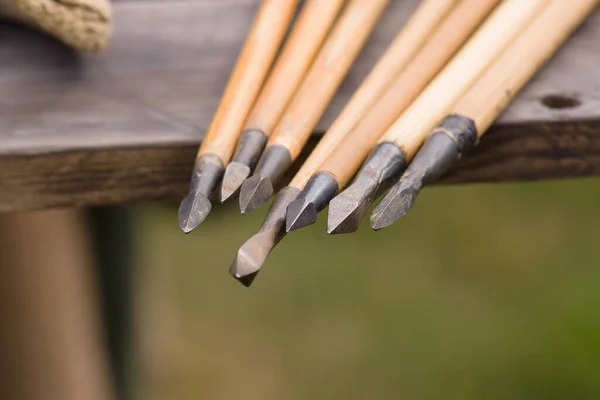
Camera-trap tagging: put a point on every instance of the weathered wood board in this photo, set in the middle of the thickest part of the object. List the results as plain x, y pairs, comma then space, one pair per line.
123, 126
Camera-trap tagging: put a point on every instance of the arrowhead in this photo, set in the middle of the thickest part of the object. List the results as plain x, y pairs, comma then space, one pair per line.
255, 192
193, 210
395, 204
235, 175
300, 213
250, 258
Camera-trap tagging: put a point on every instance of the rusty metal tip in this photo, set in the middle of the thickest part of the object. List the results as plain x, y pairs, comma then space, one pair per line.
235, 174
193, 211
255, 191
395, 204
300, 213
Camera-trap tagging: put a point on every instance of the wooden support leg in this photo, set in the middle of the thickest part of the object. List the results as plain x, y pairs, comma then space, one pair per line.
51, 338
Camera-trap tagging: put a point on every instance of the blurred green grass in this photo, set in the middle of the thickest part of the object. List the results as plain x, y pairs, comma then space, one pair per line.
482, 291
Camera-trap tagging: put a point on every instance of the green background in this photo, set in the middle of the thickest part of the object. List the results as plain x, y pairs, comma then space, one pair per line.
482, 291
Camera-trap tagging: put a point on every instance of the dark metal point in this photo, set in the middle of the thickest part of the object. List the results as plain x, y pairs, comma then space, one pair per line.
249, 259
255, 192
300, 213
194, 207
258, 189
375, 224
253, 254
344, 216
193, 210
235, 175
455, 136
248, 150
319, 190
395, 204
347, 209
247, 280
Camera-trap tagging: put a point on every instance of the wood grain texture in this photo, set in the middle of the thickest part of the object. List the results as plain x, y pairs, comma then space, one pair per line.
436, 101
443, 44
342, 46
511, 71
251, 69
124, 126
302, 45
400, 53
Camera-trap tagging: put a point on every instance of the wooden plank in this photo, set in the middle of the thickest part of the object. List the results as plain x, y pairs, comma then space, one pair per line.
124, 125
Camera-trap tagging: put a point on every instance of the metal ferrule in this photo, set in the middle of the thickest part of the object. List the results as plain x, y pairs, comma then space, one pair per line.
249, 148
274, 162
208, 170
461, 129
385, 162
320, 189
455, 136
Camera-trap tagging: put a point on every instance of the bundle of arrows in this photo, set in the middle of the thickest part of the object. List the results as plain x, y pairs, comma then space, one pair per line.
448, 74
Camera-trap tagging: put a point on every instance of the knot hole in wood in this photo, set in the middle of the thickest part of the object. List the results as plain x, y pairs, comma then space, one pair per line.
557, 101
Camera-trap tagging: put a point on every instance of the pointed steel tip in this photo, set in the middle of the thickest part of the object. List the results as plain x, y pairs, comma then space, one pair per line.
250, 259
235, 175
185, 228
376, 222
255, 192
300, 213
345, 213
246, 280
395, 205
193, 211
349, 224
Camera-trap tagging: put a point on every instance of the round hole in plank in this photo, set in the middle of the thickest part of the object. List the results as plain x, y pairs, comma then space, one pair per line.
557, 101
